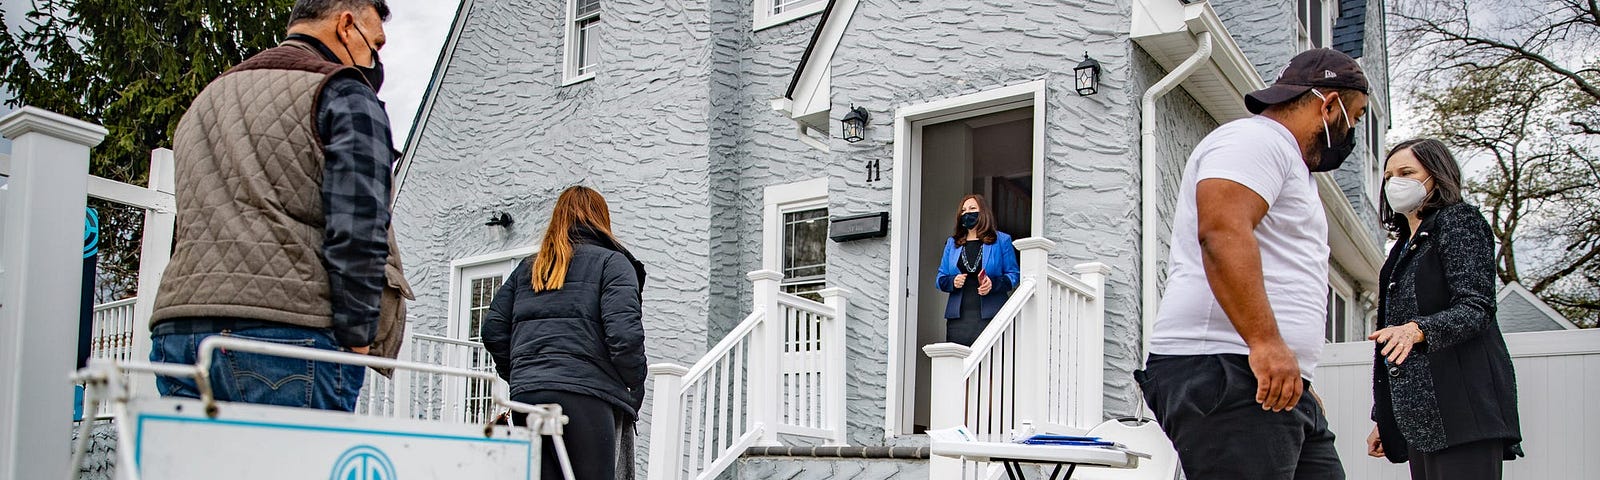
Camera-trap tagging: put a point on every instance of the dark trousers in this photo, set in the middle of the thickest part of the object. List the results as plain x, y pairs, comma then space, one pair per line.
590, 435
1480, 460
1207, 406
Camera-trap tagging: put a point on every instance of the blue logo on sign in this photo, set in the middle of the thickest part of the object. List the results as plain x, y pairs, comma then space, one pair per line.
363, 463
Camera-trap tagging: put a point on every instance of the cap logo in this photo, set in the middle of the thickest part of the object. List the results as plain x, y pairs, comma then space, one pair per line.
1329, 74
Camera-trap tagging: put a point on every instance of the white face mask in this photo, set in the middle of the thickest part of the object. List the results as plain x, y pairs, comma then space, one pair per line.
1405, 195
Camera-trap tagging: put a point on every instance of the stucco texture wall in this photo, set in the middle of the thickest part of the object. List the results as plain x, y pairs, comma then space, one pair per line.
505, 136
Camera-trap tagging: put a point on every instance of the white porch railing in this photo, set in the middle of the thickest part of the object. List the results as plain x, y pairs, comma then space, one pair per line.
1039, 361
430, 396
781, 370
111, 336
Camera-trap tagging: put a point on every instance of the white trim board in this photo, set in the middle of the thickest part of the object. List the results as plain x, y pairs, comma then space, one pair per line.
907, 126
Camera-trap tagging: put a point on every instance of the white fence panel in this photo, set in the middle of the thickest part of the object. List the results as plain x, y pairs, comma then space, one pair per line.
1558, 378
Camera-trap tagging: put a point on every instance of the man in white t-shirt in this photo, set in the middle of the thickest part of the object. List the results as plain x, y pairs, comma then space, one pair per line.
1238, 333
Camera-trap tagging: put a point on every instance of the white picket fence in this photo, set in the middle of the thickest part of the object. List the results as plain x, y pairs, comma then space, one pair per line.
1039, 361
1558, 379
781, 370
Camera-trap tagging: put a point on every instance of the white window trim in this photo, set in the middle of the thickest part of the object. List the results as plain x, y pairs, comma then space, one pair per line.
455, 323
779, 199
764, 20
569, 57
1380, 148
1330, 19
1355, 314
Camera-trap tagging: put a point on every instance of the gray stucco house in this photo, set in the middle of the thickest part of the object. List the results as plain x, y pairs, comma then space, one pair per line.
714, 129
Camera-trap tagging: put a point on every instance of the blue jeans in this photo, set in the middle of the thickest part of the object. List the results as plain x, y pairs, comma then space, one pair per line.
264, 379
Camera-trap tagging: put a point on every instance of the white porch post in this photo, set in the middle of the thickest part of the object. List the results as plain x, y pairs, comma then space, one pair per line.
1032, 375
837, 368
666, 421
948, 409
766, 355
43, 255
1090, 388
155, 251
403, 385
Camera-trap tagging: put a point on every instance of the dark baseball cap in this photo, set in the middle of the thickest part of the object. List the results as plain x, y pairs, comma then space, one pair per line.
1318, 67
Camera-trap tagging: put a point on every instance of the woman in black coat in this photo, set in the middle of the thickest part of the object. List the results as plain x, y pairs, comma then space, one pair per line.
1444, 393
565, 328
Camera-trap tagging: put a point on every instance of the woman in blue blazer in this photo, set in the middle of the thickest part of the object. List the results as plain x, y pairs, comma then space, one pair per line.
979, 269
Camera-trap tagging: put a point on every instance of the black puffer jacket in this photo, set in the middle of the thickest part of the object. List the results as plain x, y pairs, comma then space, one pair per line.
1458, 385
585, 338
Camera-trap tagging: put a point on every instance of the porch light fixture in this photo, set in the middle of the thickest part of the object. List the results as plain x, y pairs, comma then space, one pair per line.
855, 124
1088, 76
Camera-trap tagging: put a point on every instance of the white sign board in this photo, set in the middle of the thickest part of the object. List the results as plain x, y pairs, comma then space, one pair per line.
174, 440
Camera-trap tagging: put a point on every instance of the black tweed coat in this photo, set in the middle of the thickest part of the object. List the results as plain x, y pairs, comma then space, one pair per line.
1458, 385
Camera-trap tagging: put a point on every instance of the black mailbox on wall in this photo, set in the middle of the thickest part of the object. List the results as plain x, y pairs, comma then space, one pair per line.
856, 227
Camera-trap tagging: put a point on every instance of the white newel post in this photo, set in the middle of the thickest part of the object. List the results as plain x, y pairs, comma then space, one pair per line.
666, 421
837, 368
1091, 332
949, 409
1034, 330
155, 252
43, 255
403, 381
766, 355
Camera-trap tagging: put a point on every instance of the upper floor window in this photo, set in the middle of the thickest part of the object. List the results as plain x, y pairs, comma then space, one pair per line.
1316, 22
1347, 319
771, 13
583, 40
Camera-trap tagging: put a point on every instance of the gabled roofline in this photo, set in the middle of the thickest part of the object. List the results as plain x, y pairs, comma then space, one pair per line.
805, 58
1517, 289
430, 95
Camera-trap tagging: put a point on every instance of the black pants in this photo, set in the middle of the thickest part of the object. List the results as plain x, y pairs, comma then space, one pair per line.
1207, 405
1480, 460
590, 435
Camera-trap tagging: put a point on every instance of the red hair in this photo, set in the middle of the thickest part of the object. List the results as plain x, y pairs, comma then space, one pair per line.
577, 206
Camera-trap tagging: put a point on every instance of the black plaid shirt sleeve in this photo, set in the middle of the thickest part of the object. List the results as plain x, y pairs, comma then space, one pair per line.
355, 199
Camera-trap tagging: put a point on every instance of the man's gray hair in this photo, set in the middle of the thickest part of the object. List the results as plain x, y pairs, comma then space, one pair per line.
307, 10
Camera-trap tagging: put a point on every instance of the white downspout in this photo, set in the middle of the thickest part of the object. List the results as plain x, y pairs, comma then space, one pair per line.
1150, 300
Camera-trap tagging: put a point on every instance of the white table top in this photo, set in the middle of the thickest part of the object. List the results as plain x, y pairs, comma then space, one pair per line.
994, 451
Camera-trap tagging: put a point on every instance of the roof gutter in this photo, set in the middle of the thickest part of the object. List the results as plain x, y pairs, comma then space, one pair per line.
1149, 217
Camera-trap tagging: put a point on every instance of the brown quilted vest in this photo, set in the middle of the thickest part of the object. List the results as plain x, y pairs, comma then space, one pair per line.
249, 191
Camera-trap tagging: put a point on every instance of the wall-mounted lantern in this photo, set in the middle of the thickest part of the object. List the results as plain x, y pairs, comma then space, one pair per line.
500, 219
1088, 76
855, 124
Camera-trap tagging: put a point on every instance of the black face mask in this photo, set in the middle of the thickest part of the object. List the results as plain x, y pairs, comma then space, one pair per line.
969, 220
1334, 152
374, 73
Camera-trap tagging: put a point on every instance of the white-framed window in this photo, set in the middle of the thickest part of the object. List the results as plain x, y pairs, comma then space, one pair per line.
583, 41
795, 220
473, 284
1376, 145
771, 13
1315, 18
1348, 318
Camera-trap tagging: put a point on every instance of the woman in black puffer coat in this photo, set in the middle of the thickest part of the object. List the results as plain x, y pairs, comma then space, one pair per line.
565, 328
1444, 393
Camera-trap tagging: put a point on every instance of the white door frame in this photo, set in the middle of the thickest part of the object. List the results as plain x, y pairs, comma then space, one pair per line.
905, 212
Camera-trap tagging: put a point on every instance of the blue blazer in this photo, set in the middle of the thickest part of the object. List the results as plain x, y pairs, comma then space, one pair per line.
999, 264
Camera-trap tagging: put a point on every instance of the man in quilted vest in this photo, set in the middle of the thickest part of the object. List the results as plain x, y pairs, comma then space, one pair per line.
283, 191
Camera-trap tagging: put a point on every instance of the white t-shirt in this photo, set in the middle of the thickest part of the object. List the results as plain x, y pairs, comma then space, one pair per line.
1261, 154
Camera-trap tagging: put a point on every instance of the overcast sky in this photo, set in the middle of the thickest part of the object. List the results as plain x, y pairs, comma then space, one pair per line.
416, 31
